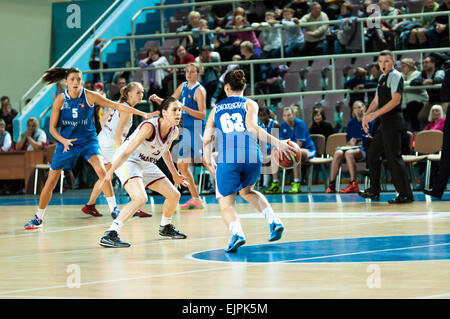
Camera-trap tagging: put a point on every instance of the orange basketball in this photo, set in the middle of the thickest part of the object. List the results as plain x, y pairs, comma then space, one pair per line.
291, 161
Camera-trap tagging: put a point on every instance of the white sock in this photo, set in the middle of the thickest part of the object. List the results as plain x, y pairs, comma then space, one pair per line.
116, 225
266, 180
40, 213
270, 216
296, 180
165, 220
275, 181
111, 202
236, 228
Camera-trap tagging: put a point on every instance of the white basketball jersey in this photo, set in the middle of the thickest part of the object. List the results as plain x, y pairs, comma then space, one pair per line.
108, 131
151, 149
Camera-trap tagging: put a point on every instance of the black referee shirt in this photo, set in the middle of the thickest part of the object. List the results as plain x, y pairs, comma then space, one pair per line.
387, 86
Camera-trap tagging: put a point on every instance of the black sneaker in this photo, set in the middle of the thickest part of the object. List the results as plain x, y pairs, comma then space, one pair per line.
111, 239
169, 231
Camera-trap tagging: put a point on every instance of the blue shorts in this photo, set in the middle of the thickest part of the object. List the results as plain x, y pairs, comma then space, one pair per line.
191, 143
67, 160
232, 177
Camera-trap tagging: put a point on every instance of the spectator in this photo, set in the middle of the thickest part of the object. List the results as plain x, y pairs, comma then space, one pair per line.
120, 82
248, 53
94, 62
440, 27
356, 83
315, 35
357, 142
153, 79
418, 36
220, 94
319, 123
5, 138
205, 38
7, 113
294, 41
300, 7
343, 34
33, 139
271, 37
193, 25
380, 37
60, 87
219, 13
372, 81
210, 76
413, 100
436, 119
181, 57
294, 129
430, 75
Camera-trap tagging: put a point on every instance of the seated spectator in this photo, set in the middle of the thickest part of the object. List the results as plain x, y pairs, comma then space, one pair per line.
33, 139
430, 75
343, 34
94, 62
248, 53
294, 129
205, 38
181, 56
319, 123
7, 113
294, 41
357, 140
219, 13
440, 27
372, 81
153, 79
380, 37
316, 34
355, 83
193, 25
300, 7
436, 119
418, 36
413, 100
119, 83
210, 76
5, 138
271, 36
267, 121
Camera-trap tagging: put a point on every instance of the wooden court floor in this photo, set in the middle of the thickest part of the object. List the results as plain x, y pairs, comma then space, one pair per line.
329, 250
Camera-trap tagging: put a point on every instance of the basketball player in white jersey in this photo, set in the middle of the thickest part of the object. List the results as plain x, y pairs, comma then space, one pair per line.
134, 164
111, 137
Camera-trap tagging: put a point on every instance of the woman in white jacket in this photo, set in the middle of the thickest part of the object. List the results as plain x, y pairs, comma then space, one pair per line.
153, 78
413, 100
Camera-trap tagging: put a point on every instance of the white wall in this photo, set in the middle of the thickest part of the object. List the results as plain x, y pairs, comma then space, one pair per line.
25, 35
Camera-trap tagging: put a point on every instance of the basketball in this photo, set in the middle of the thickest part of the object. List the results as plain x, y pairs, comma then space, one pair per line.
291, 161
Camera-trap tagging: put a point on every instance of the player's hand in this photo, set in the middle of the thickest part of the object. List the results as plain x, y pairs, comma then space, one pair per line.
285, 149
150, 115
156, 98
67, 143
106, 179
211, 165
179, 180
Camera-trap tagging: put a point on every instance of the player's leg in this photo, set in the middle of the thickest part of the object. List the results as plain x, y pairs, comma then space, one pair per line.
172, 198
195, 202
296, 171
231, 220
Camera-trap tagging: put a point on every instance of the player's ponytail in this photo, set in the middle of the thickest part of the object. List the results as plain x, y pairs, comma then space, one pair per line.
236, 80
57, 74
127, 89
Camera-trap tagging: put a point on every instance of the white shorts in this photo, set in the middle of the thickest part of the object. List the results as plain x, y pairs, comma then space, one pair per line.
108, 152
149, 172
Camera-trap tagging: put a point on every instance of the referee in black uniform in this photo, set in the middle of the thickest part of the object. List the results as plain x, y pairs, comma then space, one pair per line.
388, 137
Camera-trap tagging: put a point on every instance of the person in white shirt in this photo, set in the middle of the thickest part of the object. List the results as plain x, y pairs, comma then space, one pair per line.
5, 137
33, 139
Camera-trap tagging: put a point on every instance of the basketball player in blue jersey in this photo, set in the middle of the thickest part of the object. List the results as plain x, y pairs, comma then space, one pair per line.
73, 114
234, 123
192, 96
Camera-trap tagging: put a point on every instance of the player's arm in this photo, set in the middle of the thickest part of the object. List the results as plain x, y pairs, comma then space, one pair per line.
251, 121
208, 142
177, 93
123, 120
178, 179
94, 97
200, 98
54, 117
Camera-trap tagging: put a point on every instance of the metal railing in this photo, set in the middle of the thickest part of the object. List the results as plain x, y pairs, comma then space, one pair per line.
89, 31
332, 58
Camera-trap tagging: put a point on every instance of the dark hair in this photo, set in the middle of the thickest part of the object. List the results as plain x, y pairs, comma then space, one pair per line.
4, 97
236, 80
375, 65
165, 104
154, 50
387, 53
57, 74
265, 110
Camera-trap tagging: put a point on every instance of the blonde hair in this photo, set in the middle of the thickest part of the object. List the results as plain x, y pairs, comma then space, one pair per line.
194, 14
34, 120
2, 122
435, 107
247, 45
127, 89
198, 66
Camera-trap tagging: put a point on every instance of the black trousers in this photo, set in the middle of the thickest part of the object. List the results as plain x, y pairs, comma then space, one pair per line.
388, 140
443, 174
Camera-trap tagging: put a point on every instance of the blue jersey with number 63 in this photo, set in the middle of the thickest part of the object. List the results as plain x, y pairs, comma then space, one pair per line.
235, 143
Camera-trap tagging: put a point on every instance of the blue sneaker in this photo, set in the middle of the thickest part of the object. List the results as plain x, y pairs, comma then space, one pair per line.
235, 243
34, 223
115, 213
276, 230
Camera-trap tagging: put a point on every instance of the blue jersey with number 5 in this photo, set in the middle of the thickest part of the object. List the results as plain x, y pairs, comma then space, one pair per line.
235, 143
76, 119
